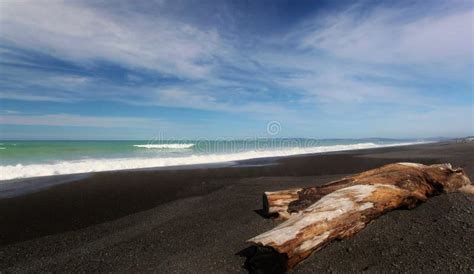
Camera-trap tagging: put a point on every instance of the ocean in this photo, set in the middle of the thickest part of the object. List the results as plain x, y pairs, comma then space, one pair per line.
25, 159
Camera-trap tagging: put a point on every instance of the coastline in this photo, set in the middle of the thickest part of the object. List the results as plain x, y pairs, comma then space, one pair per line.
90, 165
177, 219
19, 186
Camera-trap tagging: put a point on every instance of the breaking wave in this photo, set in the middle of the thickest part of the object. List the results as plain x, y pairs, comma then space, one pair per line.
166, 146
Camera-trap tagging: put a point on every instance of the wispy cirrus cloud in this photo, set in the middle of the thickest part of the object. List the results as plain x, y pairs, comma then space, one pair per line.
79, 32
378, 54
80, 121
22, 96
393, 35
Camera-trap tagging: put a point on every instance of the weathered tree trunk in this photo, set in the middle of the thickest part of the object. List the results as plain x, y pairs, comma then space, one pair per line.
352, 203
284, 203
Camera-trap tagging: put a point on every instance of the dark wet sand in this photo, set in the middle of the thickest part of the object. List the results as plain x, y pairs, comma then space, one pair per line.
196, 220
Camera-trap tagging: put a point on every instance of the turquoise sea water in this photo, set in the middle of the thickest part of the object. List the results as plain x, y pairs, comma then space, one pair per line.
20, 159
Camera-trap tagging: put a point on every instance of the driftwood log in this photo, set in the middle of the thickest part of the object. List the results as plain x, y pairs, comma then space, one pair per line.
340, 209
404, 175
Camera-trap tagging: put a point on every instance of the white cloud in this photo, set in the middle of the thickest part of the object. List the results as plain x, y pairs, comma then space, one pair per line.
339, 85
80, 121
11, 111
68, 80
394, 36
26, 96
84, 34
195, 98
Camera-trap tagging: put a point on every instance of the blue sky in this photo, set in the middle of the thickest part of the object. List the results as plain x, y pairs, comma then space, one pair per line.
221, 69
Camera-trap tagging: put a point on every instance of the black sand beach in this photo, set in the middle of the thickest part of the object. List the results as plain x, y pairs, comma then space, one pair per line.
197, 220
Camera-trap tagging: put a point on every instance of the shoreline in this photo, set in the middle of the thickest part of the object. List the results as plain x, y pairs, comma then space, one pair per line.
20, 186
11, 173
178, 220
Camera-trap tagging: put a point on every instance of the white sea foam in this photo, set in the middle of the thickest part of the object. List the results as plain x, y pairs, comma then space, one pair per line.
3, 148
8, 172
166, 146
